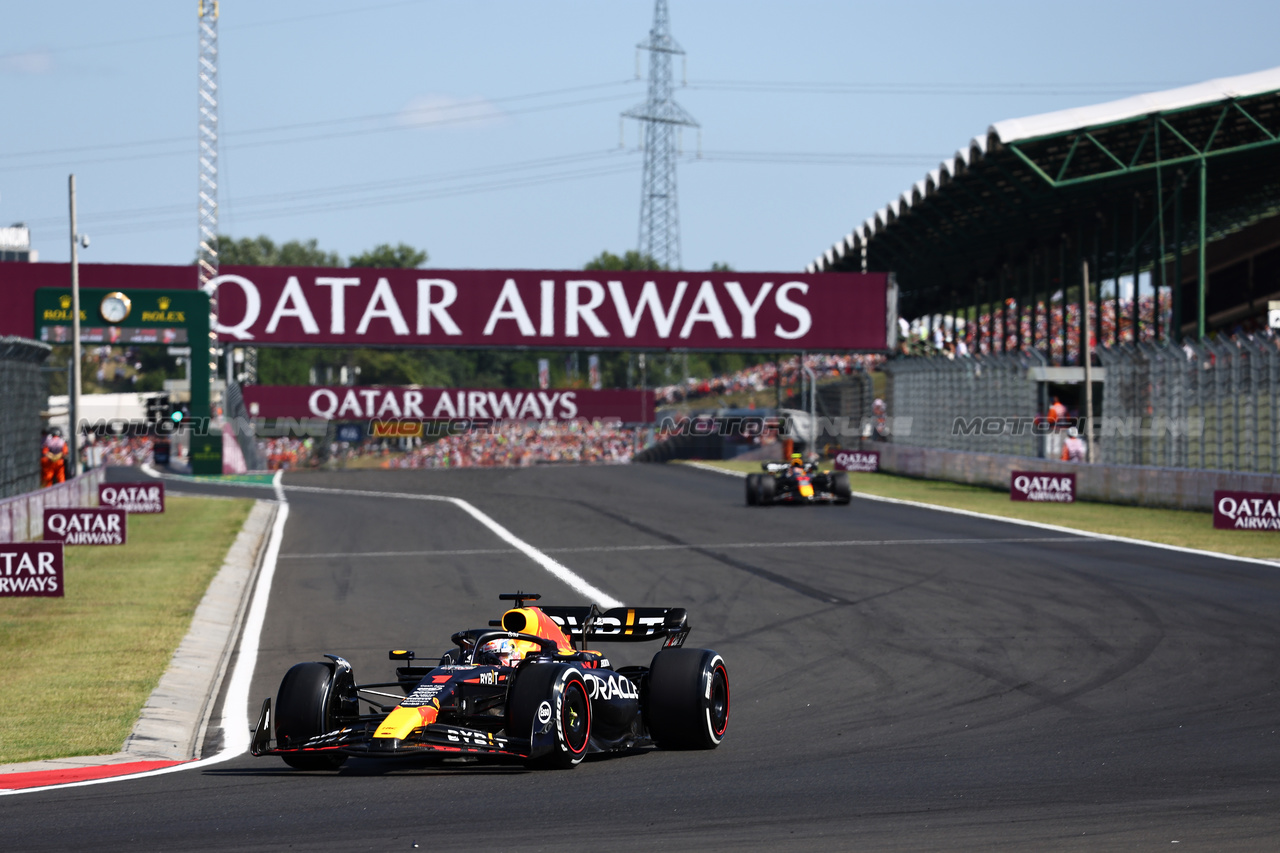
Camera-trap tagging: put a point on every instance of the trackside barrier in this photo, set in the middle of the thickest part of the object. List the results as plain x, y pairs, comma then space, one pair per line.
22, 516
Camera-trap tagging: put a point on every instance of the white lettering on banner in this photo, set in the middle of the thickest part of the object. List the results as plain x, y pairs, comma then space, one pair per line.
42, 566
389, 310
591, 308
648, 299
575, 310
252, 309
427, 309
389, 406
569, 408
130, 496
11, 585
804, 320
706, 309
86, 528
444, 407
293, 304
1255, 507
337, 301
413, 404
314, 403
510, 307
1047, 484
547, 320
748, 309
350, 404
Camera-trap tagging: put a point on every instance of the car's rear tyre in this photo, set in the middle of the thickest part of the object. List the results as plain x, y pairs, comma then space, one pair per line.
753, 489
687, 702
567, 710
308, 704
767, 488
840, 487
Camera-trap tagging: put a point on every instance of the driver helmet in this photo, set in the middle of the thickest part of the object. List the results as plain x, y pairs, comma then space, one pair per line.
504, 650
797, 459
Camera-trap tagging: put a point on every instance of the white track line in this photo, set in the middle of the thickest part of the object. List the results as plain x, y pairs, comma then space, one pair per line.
1088, 534
235, 714
235, 710
558, 570
711, 546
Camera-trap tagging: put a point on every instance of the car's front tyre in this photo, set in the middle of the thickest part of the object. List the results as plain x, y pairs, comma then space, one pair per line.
308, 704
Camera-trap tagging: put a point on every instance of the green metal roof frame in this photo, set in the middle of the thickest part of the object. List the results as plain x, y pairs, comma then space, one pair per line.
962, 228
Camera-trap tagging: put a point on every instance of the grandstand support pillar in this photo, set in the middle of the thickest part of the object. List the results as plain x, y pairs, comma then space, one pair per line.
1201, 277
1116, 254
1156, 284
1086, 357
1062, 283
1048, 306
1175, 324
1137, 265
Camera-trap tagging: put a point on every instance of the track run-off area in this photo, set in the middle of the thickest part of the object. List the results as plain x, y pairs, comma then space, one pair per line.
901, 678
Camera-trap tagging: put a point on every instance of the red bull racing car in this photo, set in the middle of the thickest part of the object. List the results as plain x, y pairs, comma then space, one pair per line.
526, 689
797, 483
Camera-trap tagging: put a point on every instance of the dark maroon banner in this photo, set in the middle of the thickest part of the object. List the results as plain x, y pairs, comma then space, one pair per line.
553, 309
362, 404
1246, 511
132, 497
561, 309
864, 461
1042, 486
31, 569
20, 281
80, 526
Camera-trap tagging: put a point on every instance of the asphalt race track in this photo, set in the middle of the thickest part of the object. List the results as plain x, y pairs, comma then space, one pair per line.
949, 683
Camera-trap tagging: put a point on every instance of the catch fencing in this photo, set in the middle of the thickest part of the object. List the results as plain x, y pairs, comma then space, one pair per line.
24, 393
1212, 405
22, 517
935, 393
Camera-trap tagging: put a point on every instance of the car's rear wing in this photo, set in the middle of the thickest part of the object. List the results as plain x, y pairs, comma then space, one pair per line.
622, 624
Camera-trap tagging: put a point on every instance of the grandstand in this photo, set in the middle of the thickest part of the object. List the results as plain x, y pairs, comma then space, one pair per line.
1177, 189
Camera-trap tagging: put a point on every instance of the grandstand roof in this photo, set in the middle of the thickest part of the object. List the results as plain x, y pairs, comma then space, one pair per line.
1017, 181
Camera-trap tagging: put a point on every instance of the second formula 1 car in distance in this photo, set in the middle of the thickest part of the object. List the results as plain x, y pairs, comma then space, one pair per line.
519, 690
797, 482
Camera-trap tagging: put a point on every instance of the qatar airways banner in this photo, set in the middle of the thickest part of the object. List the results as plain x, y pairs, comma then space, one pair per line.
356, 404
553, 309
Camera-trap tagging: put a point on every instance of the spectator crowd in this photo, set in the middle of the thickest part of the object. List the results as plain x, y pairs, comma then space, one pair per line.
760, 377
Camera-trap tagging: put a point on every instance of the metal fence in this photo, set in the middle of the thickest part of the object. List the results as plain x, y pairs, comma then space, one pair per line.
1212, 405
237, 416
22, 517
942, 397
24, 392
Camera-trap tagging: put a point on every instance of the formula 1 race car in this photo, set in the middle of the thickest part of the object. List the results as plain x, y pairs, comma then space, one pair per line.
785, 483
519, 690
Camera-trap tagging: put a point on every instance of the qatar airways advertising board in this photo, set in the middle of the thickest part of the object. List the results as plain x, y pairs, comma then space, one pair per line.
553, 309
1234, 510
379, 403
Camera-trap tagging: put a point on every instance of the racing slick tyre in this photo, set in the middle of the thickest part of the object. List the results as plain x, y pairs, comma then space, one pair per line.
310, 700
687, 704
767, 487
753, 489
555, 696
840, 487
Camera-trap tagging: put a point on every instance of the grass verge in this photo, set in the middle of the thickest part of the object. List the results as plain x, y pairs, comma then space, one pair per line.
77, 670
1166, 526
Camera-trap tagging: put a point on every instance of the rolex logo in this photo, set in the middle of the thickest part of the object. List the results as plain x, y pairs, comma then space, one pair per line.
65, 301
163, 302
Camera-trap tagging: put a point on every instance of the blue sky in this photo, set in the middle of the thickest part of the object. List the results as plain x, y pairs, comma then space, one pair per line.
488, 132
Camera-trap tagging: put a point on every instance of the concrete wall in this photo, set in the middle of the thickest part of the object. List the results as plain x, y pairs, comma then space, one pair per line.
1172, 488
